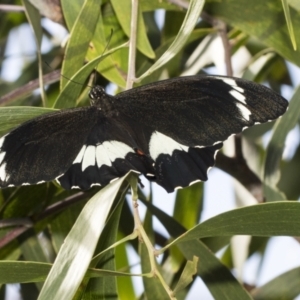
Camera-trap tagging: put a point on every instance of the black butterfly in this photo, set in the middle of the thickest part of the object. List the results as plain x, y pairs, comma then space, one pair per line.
169, 131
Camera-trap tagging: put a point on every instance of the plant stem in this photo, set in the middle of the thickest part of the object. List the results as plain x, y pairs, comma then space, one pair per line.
138, 227
132, 45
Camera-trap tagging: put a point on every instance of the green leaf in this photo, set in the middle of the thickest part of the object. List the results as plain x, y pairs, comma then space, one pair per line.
71, 11
34, 19
276, 144
289, 23
68, 96
125, 284
33, 250
150, 5
268, 27
215, 275
218, 279
188, 272
113, 67
75, 254
188, 205
285, 286
295, 4
30, 271
81, 35
23, 271
153, 287
187, 27
267, 219
123, 13
289, 181
106, 286
13, 116
62, 224
195, 35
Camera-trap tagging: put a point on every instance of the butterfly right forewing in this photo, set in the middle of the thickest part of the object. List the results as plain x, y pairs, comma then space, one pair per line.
201, 110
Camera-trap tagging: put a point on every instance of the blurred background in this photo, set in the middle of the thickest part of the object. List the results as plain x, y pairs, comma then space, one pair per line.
255, 55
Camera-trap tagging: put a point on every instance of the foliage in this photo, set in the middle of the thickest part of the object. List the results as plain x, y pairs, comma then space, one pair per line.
64, 238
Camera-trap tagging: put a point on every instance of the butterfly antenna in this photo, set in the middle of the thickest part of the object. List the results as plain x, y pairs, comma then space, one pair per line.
66, 76
80, 83
104, 50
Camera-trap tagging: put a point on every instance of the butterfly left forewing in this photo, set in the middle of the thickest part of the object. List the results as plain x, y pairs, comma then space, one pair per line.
79, 148
43, 148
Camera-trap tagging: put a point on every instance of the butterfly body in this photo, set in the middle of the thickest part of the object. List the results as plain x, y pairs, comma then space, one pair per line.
169, 131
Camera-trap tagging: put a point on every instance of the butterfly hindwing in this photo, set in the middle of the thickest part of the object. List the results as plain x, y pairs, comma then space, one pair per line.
109, 152
184, 167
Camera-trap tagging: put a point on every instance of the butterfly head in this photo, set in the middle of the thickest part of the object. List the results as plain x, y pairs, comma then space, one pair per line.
97, 95
101, 100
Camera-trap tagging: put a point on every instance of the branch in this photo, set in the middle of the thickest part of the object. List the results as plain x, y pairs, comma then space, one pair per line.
29, 222
132, 45
238, 168
221, 26
12, 8
28, 88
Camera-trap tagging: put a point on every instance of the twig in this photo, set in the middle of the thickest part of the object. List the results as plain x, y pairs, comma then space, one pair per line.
14, 8
238, 168
152, 252
26, 222
132, 45
227, 58
138, 226
226, 45
180, 3
29, 87
49, 211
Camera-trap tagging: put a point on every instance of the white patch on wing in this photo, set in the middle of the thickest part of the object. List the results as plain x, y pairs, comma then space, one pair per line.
79, 156
237, 91
89, 158
162, 144
108, 152
244, 111
238, 96
2, 154
2, 140
229, 81
2, 172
